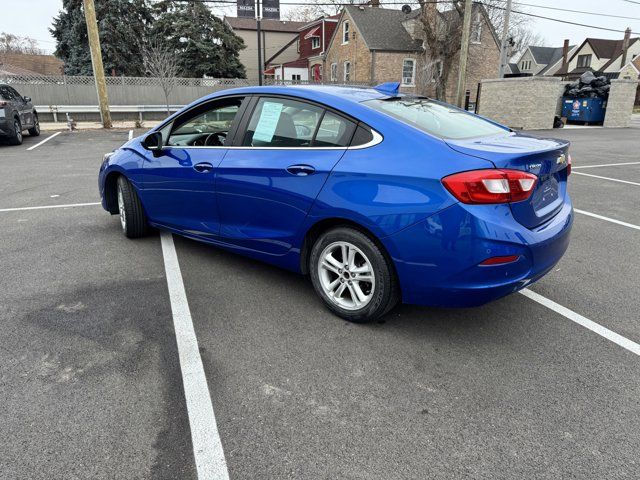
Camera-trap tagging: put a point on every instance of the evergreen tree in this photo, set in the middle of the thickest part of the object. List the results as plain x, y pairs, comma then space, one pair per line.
122, 25
204, 44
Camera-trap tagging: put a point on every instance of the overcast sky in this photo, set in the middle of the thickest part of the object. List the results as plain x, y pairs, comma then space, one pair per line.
33, 18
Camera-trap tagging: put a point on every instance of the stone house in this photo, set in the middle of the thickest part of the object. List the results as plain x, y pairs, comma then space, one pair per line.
276, 34
375, 45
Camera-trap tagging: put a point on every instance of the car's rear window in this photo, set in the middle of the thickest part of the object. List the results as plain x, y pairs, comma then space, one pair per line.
435, 118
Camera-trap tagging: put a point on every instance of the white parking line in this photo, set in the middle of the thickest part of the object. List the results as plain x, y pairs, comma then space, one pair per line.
41, 207
605, 165
44, 141
624, 342
207, 446
607, 178
612, 220
130, 134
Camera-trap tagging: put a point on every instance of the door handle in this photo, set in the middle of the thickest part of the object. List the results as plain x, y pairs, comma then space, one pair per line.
301, 170
203, 167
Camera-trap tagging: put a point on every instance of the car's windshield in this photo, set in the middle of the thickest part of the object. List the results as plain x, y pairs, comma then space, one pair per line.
435, 118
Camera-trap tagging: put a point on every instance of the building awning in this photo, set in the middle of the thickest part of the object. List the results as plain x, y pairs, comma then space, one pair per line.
270, 71
313, 33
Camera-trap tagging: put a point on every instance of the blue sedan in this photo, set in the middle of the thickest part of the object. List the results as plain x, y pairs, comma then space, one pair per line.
378, 196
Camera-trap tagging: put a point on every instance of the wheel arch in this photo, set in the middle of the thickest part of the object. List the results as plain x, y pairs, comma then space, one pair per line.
111, 191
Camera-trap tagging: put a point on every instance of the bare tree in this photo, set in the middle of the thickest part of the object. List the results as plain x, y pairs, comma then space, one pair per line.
441, 32
162, 63
520, 31
10, 43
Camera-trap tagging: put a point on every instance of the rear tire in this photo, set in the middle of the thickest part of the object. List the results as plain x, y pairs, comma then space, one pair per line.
16, 136
352, 275
132, 217
35, 130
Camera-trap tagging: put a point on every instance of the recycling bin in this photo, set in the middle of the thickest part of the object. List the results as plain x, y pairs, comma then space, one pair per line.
584, 110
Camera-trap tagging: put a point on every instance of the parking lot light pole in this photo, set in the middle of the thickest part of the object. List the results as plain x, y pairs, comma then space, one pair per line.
96, 61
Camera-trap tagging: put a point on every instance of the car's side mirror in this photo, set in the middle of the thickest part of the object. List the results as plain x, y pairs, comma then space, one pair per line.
27, 99
153, 142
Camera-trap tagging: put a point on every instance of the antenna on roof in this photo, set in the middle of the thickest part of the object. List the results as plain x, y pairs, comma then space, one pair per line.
406, 9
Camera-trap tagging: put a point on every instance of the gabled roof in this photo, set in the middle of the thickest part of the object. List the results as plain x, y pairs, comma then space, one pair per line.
544, 55
514, 68
381, 29
555, 57
268, 25
603, 48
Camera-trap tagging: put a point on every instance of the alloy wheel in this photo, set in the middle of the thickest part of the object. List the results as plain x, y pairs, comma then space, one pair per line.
123, 213
346, 275
18, 130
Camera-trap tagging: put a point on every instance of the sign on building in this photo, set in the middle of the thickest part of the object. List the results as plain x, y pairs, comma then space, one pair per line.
247, 8
271, 9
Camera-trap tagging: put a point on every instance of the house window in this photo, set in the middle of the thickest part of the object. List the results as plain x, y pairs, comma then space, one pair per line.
334, 72
408, 71
347, 71
345, 32
315, 42
525, 65
584, 61
436, 70
295, 78
476, 30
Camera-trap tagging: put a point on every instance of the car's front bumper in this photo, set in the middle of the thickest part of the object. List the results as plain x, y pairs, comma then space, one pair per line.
437, 260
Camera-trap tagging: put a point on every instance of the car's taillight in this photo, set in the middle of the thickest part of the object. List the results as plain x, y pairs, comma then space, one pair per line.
491, 186
3, 104
568, 164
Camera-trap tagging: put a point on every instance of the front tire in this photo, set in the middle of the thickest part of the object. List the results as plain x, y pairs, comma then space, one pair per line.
35, 130
132, 217
16, 136
352, 275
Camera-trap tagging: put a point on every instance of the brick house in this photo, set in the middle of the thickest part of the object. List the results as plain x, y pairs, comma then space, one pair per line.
375, 45
311, 45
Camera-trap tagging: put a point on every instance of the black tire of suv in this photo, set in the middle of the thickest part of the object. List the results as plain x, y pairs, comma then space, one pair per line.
135, 223
35, 130
16, 136
387, 292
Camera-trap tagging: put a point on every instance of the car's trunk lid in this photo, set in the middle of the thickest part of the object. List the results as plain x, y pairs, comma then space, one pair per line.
545, 157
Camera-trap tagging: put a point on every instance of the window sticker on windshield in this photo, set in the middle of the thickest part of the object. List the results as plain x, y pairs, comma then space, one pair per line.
268, 121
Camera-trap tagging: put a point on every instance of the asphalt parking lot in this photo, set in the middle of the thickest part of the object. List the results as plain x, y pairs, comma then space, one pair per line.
92, 387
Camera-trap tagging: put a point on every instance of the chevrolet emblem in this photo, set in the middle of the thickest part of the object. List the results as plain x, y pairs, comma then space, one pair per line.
561, 159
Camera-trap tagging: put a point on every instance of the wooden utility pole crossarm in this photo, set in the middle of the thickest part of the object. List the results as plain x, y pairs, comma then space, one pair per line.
96, 61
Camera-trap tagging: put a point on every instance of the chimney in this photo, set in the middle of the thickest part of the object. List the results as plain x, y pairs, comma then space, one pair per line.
625, 46
375, 3
565, 52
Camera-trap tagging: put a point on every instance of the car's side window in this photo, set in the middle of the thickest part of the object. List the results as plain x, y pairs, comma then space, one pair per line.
206, 126
6, 93
15, 93
362, 136
282, 123
334, 131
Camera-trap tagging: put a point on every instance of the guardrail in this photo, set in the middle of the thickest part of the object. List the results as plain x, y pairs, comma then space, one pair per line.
54, 110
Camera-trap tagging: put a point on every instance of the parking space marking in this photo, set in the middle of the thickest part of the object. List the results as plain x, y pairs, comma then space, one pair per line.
207, 446
605, 165
612, 220
44, 141
130, 134
41, 207
624, 342
607, 178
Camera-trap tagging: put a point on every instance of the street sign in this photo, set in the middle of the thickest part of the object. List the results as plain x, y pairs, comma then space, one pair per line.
247, 8
271, 9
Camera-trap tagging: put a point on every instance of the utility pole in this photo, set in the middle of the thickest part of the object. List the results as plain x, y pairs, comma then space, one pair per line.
96, 61
464, 53
503, 45
260, 66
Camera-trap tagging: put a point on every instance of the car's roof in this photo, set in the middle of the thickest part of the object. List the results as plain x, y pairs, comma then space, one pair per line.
325, 93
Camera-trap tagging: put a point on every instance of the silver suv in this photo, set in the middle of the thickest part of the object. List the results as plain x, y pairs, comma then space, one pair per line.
16, 114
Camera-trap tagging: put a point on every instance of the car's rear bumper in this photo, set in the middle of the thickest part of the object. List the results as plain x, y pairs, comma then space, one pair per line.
437, 260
